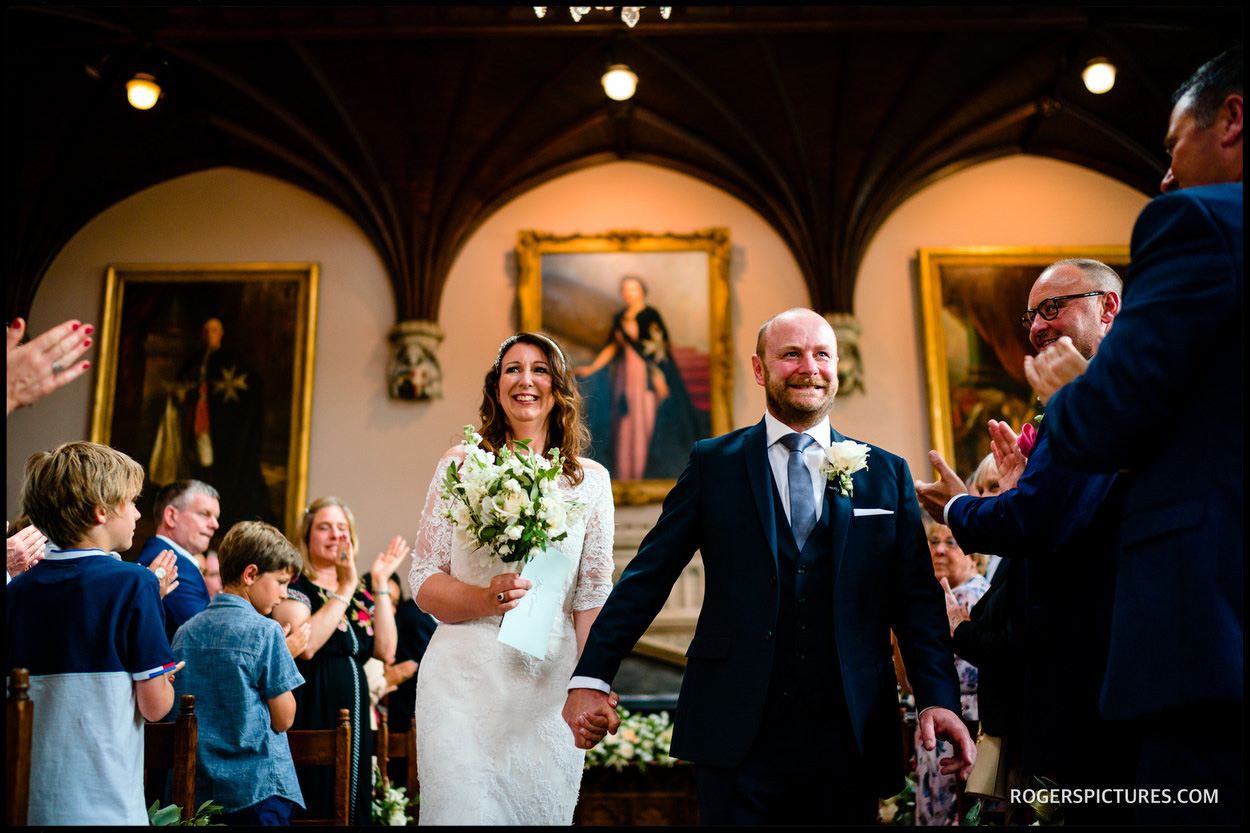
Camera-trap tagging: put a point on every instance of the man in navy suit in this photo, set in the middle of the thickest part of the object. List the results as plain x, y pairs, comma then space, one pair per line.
1064, 522
788, 706
186, 513
1170, 376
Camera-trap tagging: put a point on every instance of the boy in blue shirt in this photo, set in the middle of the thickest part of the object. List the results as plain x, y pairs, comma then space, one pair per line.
91, 630
242, 675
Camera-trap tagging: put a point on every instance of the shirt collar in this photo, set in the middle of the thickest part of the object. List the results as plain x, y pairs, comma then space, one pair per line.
55, 553
775, 429
176, 547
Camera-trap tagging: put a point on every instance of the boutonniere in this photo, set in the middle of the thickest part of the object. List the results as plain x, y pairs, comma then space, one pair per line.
841, 461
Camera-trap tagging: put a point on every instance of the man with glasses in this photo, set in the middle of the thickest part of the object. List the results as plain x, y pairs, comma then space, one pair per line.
1170, 378
1062, 523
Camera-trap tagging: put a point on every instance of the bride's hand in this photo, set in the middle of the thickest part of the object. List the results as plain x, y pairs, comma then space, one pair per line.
505, 592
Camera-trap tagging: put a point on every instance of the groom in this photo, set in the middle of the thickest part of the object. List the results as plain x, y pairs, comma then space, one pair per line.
788, 705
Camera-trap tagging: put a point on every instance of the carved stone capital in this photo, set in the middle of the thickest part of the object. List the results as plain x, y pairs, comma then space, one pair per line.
850, 364
413, 372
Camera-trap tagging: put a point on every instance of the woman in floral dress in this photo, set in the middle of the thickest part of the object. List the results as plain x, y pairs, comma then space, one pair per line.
348, 621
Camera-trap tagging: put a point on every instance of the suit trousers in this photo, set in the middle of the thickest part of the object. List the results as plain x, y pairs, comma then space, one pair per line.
803, 768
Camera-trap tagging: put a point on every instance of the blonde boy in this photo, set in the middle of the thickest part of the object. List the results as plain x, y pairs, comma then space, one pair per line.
91, 631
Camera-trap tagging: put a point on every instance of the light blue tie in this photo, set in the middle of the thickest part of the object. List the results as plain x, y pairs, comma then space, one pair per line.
802, 500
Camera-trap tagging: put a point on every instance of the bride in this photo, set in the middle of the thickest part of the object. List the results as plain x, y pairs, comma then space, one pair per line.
492, 747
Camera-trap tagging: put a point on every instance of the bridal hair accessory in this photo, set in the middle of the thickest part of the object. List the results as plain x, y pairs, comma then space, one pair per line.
511, 340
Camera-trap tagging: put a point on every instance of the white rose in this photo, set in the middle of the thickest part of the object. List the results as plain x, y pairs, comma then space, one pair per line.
509, 505
627, 751
848, 456
553, 513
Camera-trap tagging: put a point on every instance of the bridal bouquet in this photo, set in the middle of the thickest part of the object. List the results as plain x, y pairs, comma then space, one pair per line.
508, 502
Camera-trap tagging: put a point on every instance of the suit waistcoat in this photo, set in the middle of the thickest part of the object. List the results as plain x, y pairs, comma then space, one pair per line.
805, 660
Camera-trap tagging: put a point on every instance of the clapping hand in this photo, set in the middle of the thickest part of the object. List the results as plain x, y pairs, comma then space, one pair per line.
934, 496
25, 549
165, 568
48, 362
385, 564
956, 615
297, 639
1008, 457
1054, 367
398, 672
345, 566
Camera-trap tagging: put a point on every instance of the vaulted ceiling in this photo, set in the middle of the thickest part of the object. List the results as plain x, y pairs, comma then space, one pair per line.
418, 122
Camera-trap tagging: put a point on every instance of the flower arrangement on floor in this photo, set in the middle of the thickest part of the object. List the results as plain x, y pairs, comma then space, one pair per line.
642, 739
390, 803
510, 501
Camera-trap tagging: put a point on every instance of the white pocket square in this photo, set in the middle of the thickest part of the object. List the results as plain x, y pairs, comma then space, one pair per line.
859, 513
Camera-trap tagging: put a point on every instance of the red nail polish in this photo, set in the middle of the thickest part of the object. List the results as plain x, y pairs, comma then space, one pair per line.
76, 326
87, 343
89, 329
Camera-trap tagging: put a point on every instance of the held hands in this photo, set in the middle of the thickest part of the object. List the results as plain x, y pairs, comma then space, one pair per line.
945, 724
385, 564
297, 639
167, 562
1054, 367
25, 549
504, 593
591, 714
934, 496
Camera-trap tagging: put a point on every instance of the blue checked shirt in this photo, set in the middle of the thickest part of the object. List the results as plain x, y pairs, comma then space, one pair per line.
237, 660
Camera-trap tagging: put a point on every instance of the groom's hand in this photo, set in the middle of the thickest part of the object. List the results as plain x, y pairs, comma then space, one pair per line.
945, 724
591, 714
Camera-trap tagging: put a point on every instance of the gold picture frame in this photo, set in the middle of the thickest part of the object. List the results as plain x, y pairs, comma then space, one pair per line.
971, 299
235, 416
570, 286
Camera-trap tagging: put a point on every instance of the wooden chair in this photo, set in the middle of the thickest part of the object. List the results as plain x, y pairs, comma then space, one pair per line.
171, 746
327, 747
401, 746
18, 731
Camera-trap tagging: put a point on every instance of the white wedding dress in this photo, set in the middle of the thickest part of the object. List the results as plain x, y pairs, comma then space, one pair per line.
492, 747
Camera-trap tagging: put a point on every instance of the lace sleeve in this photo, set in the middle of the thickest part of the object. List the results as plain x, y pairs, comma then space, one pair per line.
432, 552
594, 572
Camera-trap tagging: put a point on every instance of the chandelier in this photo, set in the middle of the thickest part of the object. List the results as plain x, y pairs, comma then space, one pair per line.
629, 14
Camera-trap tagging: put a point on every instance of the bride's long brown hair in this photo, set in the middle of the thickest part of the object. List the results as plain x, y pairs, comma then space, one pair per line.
565, 428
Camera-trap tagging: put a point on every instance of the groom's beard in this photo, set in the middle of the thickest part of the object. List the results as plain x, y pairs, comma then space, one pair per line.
792, 411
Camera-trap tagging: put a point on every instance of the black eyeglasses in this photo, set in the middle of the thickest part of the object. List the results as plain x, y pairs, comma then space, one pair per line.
1049, 308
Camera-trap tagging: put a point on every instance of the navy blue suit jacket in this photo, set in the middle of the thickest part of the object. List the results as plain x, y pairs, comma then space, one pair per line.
723, 505
1062, 523
1163, 401
185, 600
